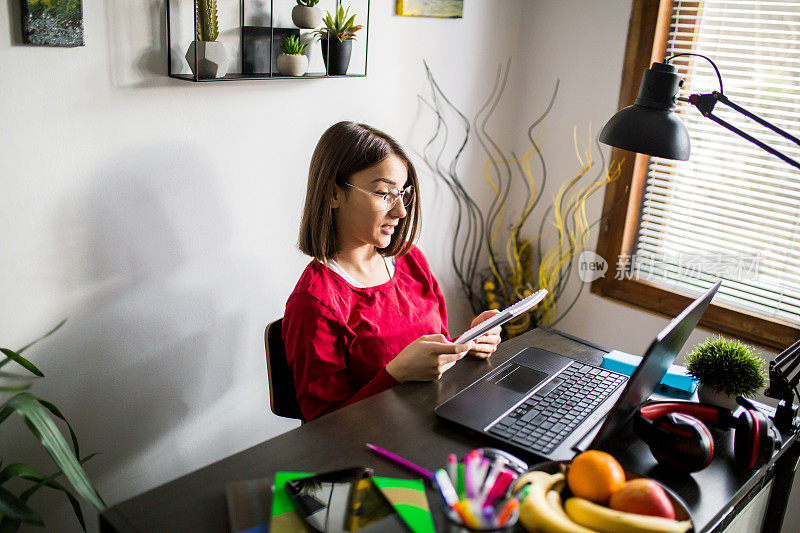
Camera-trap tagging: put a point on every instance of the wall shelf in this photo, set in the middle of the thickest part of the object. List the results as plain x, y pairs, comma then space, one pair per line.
253, 45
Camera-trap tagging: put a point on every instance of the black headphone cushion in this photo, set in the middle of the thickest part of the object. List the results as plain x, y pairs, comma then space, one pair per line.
681, 441
756, 439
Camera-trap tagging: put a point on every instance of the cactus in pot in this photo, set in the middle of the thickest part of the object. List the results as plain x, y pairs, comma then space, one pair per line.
207, 57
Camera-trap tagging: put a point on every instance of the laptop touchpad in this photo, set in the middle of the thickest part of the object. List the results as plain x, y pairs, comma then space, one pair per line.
518, 378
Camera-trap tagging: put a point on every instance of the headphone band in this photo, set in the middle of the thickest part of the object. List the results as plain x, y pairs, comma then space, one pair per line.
710, 414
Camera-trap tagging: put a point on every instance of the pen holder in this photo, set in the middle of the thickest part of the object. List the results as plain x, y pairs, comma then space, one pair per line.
456, 525
476, 491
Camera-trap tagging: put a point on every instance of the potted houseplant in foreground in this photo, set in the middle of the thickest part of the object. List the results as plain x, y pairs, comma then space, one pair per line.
38, 416
306, 15
726, 368
339, 33
292, 62
212, 60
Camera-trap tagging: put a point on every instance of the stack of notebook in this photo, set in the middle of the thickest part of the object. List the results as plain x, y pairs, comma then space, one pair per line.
247, 504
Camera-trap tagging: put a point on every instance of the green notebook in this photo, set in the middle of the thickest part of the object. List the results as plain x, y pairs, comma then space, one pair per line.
247, 504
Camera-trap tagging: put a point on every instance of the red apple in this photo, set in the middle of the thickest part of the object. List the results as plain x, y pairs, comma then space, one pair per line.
642, 496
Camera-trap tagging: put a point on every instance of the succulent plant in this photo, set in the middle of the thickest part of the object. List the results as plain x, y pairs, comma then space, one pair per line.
292, 45
339, 25
207, 24
307, 3
728, 366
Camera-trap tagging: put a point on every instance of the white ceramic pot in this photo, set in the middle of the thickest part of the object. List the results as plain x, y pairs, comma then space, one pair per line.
292, 64
306, 17
714, 397
212, 60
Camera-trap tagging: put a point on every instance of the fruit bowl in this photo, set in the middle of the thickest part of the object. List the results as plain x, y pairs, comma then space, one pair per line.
679, 506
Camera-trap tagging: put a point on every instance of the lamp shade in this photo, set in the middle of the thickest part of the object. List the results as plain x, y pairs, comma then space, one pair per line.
650, 126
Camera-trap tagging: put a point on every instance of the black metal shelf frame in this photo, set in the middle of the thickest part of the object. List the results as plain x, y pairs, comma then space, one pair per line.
271, 75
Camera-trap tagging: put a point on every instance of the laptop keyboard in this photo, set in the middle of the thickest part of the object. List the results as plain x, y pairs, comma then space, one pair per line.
545, 419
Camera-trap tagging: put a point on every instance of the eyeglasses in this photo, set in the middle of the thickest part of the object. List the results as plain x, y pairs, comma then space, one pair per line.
390, 197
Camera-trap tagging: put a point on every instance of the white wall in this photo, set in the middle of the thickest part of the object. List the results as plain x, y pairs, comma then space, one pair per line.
161, 216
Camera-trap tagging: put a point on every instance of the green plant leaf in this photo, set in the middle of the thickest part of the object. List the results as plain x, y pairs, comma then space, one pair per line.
17, 358
5, 412
23, 471
42, 425
15, 388
58, 326
14, 508
53, 409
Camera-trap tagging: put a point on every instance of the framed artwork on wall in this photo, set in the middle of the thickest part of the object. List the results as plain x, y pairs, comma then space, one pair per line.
52, 22
431, 8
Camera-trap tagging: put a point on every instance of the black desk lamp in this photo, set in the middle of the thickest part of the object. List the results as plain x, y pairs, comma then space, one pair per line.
650, 127
784, 375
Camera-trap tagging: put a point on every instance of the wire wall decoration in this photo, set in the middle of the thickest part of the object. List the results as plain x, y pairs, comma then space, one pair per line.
479, 233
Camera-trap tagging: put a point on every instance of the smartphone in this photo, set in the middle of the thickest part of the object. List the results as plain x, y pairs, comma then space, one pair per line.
343, 501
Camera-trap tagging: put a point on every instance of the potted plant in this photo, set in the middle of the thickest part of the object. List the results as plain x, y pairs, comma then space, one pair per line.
212, 60
305, 15
292, 62
38, 416
726, 368
339, 32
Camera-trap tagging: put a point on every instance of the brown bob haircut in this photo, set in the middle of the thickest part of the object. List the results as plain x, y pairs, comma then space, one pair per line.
344, 149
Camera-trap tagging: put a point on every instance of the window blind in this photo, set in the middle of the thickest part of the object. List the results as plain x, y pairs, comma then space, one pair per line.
733, 210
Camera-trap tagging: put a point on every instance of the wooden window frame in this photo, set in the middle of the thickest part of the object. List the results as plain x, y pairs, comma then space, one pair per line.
647, 39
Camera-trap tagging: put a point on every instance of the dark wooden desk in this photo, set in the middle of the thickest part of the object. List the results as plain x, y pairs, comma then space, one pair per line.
402, 420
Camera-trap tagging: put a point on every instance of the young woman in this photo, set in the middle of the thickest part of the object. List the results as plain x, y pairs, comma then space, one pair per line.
367, 313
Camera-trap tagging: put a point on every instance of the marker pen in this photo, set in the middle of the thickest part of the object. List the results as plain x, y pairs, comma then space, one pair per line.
452, 468
466, 515
488, 515
491, 477
508, 510
477, 512
446, 489
499, 488
469, 475
483, 468
460, 485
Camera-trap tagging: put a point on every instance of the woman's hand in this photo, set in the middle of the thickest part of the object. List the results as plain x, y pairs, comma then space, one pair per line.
427, 358
486, 344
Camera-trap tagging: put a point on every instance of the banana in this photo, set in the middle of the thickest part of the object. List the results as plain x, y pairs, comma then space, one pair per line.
608, 520
536, 514
554, 499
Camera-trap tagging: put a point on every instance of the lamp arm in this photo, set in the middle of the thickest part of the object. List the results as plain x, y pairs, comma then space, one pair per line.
705, 104
788, 354
724, 99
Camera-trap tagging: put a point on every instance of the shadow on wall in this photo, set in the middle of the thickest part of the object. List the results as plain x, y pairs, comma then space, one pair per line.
137, 44
150, 346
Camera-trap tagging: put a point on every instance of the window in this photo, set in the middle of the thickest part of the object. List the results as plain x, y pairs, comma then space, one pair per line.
733, 210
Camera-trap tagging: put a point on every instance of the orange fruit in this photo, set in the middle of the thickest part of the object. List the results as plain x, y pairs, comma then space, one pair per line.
595, 475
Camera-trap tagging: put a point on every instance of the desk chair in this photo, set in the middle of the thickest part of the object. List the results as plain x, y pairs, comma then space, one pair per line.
282, 394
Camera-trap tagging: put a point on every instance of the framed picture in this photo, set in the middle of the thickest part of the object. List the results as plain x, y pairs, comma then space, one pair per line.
431, 8
52, 22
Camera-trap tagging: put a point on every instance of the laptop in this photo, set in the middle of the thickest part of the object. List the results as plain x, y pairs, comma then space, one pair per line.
551, 406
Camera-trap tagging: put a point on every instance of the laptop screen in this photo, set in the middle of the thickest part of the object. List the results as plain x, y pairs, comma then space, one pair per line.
661, 354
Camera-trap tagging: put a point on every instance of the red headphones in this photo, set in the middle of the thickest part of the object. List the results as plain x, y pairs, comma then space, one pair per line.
677, 436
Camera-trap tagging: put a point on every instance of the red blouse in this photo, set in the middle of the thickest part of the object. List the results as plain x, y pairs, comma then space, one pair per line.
339, 338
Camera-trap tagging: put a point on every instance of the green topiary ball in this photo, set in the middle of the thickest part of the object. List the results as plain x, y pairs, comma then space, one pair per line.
728, 366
